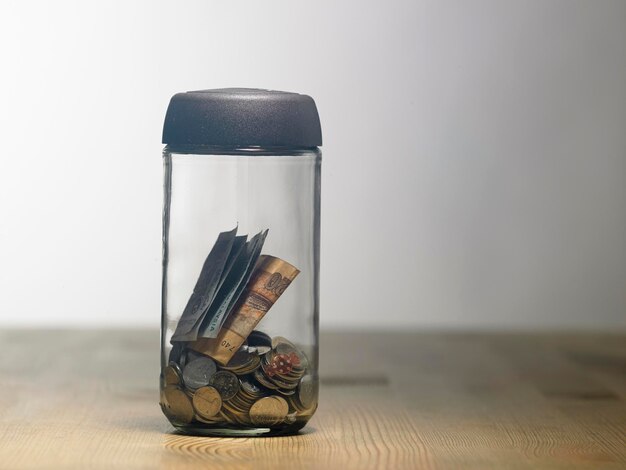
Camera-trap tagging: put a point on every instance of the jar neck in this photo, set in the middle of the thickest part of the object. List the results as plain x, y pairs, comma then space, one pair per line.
238, 150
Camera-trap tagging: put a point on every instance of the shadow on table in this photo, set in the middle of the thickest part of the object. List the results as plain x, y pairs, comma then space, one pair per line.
159, 424
302, 432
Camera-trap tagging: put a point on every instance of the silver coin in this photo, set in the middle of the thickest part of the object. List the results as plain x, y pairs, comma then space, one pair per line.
249, 386
226, 383
258, 350
260, 378
306, 391
198, 372
193, 355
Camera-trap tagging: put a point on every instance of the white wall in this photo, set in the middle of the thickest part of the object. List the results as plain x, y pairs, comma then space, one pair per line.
475, 153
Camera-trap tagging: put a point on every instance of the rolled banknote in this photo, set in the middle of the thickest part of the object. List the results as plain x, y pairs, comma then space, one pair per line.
206, 287
268, 282
233, 288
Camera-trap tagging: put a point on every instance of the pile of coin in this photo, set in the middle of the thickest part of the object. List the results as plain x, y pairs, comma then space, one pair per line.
282, 367
238, 409
264, 384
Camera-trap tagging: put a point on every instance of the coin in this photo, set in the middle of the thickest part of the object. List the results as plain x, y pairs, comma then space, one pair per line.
280, 364
207, 402
282, 404
258, 350
306, 391
269, 411
240, 359
198, 372
213, 420
278, 340
226, 383
248, 386
177, 405
260, 377
278, 371
243, 362
284, 346
236, 416
172, 374
192, 355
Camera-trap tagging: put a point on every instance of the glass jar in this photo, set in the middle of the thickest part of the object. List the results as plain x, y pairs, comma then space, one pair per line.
241, 228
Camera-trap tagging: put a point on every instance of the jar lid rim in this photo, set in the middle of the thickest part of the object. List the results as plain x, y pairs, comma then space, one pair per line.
242, 117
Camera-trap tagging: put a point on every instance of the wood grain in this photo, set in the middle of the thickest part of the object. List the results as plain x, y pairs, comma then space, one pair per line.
88, 399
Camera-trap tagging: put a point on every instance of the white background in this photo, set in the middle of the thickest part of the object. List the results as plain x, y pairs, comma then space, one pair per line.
474, 153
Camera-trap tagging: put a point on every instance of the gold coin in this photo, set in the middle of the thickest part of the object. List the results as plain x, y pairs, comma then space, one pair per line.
269, 411
213, 420
177, 405
207, 401
282, 405
172, 375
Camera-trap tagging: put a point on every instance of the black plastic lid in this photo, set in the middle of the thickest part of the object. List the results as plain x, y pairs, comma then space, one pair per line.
242, 117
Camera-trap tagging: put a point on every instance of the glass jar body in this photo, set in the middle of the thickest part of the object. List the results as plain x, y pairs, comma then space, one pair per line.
255, 371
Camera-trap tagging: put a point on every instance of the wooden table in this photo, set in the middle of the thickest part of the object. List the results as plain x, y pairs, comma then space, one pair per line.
88, 399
